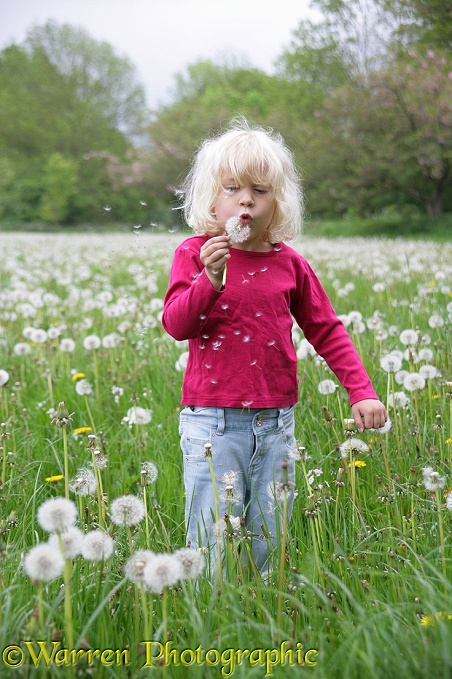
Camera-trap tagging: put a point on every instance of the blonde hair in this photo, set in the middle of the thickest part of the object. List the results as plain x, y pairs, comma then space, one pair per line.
244, 152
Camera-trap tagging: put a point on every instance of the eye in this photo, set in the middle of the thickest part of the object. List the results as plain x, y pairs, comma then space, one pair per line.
261, 189
230, 188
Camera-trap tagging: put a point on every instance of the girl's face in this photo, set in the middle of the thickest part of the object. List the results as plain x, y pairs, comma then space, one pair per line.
254, 205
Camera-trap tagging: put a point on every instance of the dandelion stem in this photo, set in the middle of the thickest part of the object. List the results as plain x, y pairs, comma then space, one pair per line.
66, 464
282, 562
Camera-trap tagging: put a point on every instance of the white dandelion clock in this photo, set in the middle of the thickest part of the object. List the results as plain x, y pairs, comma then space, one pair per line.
127, 510
84, 482
83, 388
391, 363
237, 232
149, 473
92, 342
354, 445
449, 501
327, 387
385, 428
134, 568
163, 571
138, 415
413, 382
44, 563
432, 480
67, 345
4, 377
428, 372
57, 514
192, 562
398, 399
70, 542
409, 337
97, 546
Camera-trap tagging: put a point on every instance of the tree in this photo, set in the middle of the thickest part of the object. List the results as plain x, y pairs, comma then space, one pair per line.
386, 140
66, 96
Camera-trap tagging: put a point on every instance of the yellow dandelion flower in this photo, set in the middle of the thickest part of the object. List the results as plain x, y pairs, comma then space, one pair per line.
432, 283
78, 376
359, 464
448, 441
427, 620
435, 397
82, 430
54, 479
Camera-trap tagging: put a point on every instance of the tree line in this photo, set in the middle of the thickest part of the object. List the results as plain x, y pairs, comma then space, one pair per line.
363, 98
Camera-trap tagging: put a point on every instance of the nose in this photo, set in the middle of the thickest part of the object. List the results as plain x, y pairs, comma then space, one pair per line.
246, 197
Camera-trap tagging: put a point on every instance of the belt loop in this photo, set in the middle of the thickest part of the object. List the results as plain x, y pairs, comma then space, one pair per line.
280, 418
220, 421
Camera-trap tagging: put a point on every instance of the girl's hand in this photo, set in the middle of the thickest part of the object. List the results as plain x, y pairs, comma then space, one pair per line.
214, 255
369, 414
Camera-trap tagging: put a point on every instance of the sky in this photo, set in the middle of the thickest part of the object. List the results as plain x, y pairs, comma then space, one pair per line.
161, 37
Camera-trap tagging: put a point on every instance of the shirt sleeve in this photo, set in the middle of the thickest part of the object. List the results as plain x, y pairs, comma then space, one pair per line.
315, 315
190, 297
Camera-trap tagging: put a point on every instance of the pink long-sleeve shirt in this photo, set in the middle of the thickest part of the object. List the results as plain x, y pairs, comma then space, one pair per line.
241, 352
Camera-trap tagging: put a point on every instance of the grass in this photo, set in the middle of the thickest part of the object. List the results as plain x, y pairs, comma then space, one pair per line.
363, 586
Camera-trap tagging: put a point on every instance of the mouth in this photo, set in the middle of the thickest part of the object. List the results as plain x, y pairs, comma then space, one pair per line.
245, 219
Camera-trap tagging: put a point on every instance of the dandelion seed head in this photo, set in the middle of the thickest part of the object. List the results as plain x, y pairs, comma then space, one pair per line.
97, 546
44, 563
138, 416
83, 388
84, 482
150, 472
432, 480
354, 445
398, 399
127, 510
71, 542
4, 377
134, 568
192, 562
92, 342
385, 428
163, 571
428, 372
327, 387
413, 382
391, 363
449, 501
57, 514
409, 337
222, 527
236, 232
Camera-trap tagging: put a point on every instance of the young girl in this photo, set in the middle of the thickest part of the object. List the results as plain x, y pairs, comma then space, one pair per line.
234, 298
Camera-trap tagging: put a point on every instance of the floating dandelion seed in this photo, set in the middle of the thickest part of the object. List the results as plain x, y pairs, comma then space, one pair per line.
44, 563
97, 546
237, 232
192, 562
164, 570
71, 542
127, 510
57, 514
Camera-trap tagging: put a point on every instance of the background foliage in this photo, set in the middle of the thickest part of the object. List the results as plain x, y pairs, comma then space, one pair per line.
363, 99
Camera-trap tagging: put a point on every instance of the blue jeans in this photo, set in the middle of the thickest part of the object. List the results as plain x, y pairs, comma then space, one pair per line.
248, 449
